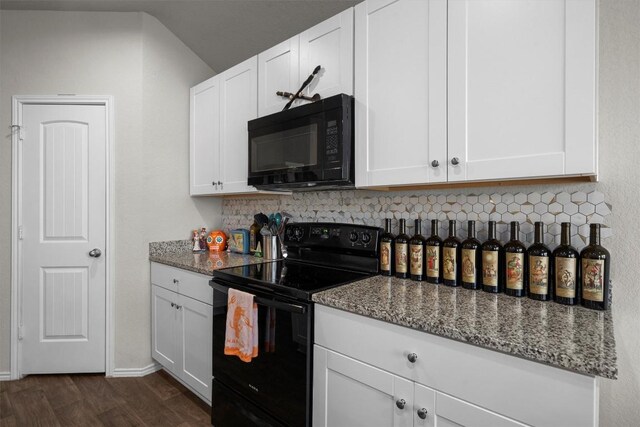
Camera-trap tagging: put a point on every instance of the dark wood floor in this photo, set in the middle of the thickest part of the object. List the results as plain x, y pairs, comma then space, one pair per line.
93, 400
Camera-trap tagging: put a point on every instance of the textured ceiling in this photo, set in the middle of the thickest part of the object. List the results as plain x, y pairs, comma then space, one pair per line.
221, 32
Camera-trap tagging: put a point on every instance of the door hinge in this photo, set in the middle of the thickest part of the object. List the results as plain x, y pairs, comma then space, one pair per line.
20, 332
20, 233
19, 129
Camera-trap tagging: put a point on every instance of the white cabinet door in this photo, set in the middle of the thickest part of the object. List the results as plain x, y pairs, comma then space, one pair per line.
424, 407
277, 71
238, 105
163, 329
521, 88
455, 412
204, 137
400, 92
195, 341
347, 392
330, 45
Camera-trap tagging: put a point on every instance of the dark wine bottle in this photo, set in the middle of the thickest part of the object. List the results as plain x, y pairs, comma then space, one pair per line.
402, 251
416, 253
451, 257
514, 252
492, 256
471, 259
566, 275
386, 250
596, 261
539, 271
433, 249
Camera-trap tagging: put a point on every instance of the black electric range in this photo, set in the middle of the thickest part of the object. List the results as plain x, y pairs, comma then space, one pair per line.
275, 388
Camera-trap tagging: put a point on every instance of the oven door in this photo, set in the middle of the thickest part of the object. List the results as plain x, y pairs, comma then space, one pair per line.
278, 381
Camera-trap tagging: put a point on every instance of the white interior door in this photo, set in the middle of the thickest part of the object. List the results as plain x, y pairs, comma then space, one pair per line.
63, 176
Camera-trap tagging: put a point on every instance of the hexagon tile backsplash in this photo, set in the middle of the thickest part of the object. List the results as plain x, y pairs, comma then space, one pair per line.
371, 208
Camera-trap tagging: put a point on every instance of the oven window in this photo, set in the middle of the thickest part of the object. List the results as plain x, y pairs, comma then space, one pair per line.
286, 149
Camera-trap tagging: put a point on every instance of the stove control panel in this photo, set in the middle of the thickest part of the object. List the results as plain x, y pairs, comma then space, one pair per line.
332, 236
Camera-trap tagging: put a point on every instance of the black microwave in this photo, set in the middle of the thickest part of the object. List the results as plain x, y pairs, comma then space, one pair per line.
310, 147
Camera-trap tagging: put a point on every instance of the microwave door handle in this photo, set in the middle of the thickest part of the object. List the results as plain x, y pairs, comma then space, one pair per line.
267, 302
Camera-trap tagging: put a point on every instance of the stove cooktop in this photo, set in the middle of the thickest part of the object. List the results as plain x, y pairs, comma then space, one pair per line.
288, 277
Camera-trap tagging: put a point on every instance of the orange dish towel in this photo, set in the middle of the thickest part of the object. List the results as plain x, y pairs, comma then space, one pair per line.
241, 335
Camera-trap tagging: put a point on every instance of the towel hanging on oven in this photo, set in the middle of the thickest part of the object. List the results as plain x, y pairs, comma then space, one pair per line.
241, 334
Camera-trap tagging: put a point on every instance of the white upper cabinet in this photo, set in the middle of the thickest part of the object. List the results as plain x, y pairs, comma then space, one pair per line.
287, 65
278, 71
474, 90
204, 137
219, 140
521, 88
400, 92
238, 105
330, 45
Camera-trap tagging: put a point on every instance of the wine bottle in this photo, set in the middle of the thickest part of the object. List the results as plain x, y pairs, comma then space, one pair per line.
566, 280
402, 251
514, 252
471, 259
539, 267
386, 250
596, 261
416, 253
451, 257
433, 249
492, 255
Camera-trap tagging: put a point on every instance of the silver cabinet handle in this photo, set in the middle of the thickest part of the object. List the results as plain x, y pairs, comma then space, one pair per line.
412, 357
435, 163
95, 253
401, 403
455, 161
422, 413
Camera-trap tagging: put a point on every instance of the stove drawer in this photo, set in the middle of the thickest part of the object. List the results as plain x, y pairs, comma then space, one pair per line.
520, 389
187, 283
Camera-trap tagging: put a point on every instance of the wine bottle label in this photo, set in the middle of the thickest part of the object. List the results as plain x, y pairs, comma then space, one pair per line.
416, 259
401, 257
539, 275
433, 261
593, 279
449, 263
469, 265
385, 256
514, 263
490, 268
566, 277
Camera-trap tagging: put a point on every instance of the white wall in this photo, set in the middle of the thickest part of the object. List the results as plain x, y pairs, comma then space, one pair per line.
148, 71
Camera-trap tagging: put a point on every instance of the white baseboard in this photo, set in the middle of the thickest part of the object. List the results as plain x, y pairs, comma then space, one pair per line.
5, 376
136, 372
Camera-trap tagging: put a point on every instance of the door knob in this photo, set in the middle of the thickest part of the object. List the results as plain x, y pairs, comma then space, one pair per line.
401, 403
455, 161
95, 253
422, 413
412, 357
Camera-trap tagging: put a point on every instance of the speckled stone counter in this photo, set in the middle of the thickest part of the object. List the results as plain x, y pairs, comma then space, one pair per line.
572, 338
177, 253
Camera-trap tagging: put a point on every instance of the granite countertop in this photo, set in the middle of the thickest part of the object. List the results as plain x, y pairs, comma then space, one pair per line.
178, 253
573, 338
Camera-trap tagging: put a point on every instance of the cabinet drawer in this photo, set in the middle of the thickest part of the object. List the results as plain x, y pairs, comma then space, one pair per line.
474, 374
187, 283
454, 412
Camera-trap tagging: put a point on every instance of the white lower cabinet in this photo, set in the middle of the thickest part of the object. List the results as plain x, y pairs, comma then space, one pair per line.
181, 326
372, 373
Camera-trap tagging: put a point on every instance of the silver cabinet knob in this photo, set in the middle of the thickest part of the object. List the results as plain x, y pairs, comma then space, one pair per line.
178, 307
213, 183
422, 413
176, 281
455, 161
401, 403
95, 253
435, 163
173, 305
412, 357
219, 182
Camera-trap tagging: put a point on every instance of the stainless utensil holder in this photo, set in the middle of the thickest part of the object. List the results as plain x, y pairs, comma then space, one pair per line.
271, 249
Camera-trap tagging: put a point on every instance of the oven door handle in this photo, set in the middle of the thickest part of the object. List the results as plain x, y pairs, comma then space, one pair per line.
267, 302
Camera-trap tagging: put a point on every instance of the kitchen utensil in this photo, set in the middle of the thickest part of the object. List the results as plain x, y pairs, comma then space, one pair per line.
271, 248
261, 219
278, 219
